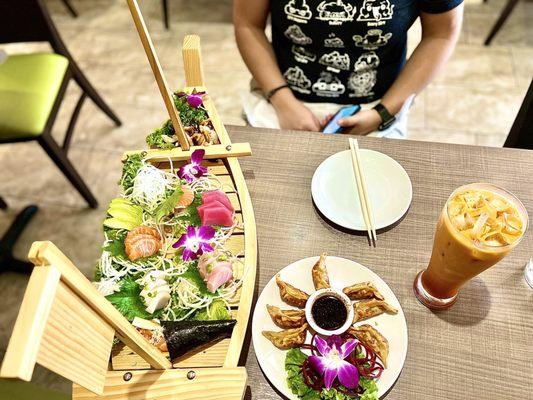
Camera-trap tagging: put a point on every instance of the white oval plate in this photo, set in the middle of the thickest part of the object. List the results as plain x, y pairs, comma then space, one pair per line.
335, 193
342, 273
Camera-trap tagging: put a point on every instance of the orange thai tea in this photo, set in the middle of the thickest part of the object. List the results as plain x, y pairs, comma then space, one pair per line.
479, 225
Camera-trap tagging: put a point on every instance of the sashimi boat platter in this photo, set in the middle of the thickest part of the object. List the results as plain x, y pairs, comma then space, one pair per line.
167, 312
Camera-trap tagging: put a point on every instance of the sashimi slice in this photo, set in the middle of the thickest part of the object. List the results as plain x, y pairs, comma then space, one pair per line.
216, 214
217, 195
186, 198
222, 273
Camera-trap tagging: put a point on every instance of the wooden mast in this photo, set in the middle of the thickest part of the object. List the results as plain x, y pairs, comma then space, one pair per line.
158, 73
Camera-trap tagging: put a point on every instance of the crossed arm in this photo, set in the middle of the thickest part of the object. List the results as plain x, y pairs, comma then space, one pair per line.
439, 36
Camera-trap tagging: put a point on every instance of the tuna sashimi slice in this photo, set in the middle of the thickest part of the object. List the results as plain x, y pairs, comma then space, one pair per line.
217, 195
212, 203
221, 273
216, 214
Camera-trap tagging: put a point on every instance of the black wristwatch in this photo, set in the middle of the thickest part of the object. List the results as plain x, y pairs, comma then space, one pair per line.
386, 118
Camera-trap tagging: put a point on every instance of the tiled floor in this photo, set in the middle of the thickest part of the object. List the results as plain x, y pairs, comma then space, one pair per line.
473, 101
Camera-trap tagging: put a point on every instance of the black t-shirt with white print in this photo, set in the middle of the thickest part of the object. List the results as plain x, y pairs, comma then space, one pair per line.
344, 51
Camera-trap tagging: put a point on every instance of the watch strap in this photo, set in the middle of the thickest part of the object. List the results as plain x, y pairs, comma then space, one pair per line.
387, 119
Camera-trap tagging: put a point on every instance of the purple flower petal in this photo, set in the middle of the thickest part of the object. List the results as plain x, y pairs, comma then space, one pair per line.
347, 348
181, 242
334, 341
194, 100
189, 255
318, 363
322, 346
348, 375
206, 232
329, 377
205, 248
197, 156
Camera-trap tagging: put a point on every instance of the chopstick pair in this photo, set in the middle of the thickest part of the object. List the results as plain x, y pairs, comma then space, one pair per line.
366, 207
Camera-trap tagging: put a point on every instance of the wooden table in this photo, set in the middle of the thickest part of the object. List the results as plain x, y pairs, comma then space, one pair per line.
482, 348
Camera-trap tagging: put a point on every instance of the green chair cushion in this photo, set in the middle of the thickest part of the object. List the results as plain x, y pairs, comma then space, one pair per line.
29, 84
18, 390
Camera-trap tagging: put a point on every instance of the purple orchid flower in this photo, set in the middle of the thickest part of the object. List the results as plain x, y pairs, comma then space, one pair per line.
195, 242
331, 362
194, 99
194, 170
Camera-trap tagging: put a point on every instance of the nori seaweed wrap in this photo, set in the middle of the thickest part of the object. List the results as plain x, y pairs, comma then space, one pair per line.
184, 336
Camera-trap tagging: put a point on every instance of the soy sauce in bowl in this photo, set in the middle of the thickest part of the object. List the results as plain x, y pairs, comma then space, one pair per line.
329, 312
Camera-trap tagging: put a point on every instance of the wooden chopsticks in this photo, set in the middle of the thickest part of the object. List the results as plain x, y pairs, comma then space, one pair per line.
366, 207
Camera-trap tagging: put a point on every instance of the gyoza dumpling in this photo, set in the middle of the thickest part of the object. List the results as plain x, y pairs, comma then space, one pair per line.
373, 339
291, 295
370, 308
288, 338
363, 290
320, 273
286, 318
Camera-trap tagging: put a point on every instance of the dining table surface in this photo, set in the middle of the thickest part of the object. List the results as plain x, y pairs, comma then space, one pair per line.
482, 347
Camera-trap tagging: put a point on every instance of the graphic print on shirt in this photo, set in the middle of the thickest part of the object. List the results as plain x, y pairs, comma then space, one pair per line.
333, 41
297, 80
373, 39
328, 85
295, 33
335, 12
298, 10
302, 55
375, 12
335, 61
364, 77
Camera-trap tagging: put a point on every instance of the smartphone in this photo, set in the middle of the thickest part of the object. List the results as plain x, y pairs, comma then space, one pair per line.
333, 126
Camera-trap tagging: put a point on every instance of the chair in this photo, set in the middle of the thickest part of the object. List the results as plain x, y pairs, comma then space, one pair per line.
164, 4
68, 327
32, 86
521, 134
8, 240
70, 8
507, 10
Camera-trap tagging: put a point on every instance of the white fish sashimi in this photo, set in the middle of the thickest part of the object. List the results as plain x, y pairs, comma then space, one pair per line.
221, 273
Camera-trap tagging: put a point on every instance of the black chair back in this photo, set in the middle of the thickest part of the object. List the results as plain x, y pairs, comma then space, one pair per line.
27, 21
521, 134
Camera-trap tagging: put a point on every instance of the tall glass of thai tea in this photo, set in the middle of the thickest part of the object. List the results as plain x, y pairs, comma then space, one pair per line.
479, 225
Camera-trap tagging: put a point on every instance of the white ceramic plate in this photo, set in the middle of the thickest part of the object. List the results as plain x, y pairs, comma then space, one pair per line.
342, 273
335, 193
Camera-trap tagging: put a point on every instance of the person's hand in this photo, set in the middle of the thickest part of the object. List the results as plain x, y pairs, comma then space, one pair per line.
362, 123
292, 114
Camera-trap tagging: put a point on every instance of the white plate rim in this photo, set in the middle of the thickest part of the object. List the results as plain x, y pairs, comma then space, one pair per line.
256, 333
342, 223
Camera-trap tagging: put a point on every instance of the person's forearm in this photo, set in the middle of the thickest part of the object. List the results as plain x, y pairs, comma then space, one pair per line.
259, 56
439, 36
421, 68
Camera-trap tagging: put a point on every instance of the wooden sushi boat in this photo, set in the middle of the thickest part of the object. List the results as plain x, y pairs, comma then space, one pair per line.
67, 326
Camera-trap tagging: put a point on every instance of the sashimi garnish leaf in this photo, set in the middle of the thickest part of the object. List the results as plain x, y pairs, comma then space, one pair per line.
193, 275
128, 300
116, 245
190, 214
167, 206
217, 310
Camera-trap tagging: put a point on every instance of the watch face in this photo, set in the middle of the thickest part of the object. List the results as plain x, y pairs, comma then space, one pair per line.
387, 124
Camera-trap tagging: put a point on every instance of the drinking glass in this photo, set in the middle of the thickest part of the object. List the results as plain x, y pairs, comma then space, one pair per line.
478, 226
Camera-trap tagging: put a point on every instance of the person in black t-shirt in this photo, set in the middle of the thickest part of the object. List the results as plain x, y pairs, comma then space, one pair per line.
329, 53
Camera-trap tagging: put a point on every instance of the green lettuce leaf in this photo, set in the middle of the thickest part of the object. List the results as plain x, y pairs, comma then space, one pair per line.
193, 275
128, 300
116, 245
168, 205
293, 365
217, 310
129, 170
